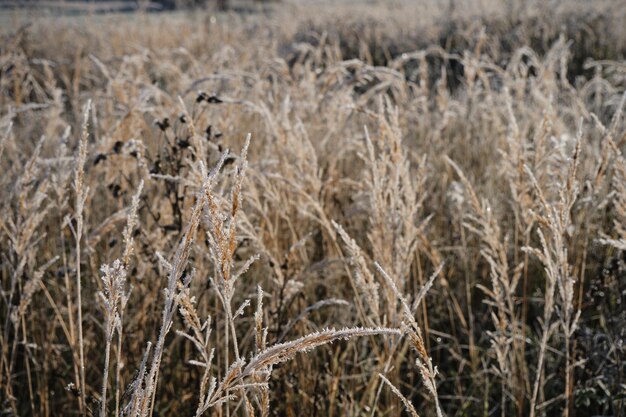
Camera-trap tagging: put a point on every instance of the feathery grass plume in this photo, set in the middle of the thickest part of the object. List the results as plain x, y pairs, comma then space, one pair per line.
261, 377
518, 152
396, 194
260, 335
199, 336
405, 401
113, 297
24, 230
364, 279
555, 221
29, 290
282, 352
504, 282
131, 223
619, 203
424, 362
137, 386
22, 226
129, 245
81, 191
238, 372
222, 237
145, 389
172, 298
618, 182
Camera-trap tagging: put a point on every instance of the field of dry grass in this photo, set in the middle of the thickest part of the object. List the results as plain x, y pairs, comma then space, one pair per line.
355, 209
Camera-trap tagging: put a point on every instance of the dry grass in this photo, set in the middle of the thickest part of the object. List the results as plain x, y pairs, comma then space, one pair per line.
423, 212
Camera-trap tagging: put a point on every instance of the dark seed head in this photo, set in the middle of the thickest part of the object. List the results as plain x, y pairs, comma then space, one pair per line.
163, 124
214, 100
115, 189
210, 134
117, 146
170, 227
211, 99
99, 158
156, 167
183, 143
